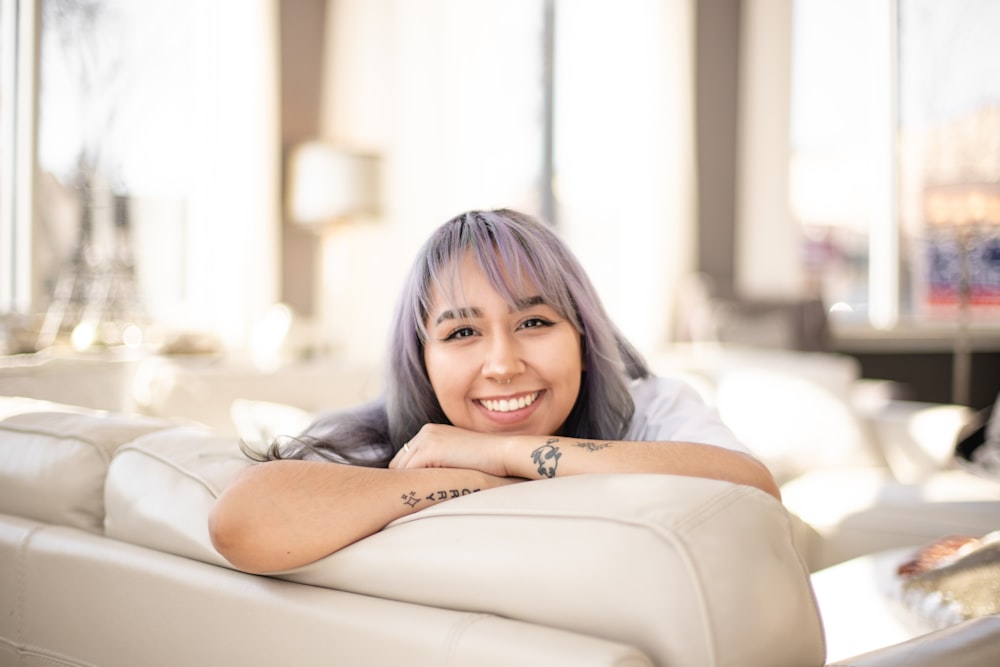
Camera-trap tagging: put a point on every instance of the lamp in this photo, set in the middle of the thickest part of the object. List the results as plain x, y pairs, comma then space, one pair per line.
327, 184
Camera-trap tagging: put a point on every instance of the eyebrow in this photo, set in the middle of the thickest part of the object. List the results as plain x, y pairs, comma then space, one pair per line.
471, 313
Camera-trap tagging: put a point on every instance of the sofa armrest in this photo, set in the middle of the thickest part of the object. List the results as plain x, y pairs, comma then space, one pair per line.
973, 643
653, 561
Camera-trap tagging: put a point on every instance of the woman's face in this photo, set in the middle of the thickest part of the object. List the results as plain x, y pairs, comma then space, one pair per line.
475, 347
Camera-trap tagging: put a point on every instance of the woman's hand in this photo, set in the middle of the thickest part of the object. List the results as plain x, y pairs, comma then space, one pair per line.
444, 446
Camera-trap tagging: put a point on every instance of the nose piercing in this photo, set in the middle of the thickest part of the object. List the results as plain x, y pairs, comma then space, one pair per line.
507, 382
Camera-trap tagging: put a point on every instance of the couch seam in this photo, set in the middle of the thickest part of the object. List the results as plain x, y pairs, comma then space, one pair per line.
21, 646
709, 504
22, 559
22, 650
709, 637
715, 504
457, 631
61, 436
169, 463
710, 508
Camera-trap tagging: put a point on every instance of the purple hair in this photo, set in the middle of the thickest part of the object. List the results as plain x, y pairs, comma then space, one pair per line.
512, 249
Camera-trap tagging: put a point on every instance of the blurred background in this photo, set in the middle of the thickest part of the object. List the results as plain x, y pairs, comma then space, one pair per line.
250, 179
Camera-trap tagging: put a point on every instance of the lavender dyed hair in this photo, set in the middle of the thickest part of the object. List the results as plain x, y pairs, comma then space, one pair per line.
513, 250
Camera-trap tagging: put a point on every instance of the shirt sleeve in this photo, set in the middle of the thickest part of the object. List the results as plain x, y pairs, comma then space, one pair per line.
670, 410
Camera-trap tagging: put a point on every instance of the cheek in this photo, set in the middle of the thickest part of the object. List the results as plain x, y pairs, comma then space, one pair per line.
444, 376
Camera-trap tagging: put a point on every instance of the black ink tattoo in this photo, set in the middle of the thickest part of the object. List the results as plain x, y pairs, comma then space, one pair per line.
546, 458
410, 499
593, 446
450, 493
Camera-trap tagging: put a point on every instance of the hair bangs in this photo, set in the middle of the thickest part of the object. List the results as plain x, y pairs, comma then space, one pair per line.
516, 260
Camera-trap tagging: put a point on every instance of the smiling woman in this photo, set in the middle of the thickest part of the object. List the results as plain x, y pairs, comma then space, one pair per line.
499, 368
503, 367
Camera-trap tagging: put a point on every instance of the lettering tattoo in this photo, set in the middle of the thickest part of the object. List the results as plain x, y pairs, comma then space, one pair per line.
412, 499
593, 446
546, 458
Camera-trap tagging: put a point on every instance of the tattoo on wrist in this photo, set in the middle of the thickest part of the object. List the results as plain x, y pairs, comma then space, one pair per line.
546, 458
412, 499
593, 446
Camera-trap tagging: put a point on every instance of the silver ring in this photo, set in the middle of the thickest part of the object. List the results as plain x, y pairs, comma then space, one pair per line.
406, 446
506, 382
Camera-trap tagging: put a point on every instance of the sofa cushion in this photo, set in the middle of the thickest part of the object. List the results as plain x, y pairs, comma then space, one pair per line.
161, 487
53, 463
793, 424
655, 561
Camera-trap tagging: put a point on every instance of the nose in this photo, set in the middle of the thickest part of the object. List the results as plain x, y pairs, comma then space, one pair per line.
503, 360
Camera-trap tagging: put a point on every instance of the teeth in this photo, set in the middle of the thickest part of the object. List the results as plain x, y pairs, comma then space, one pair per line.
506, 405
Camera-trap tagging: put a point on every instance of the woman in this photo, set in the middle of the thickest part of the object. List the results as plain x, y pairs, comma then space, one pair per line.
504, 367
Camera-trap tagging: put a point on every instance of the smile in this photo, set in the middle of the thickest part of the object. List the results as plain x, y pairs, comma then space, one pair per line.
509, 404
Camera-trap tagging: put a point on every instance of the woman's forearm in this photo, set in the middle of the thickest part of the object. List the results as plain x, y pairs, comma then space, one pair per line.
283, 514
540, 457
543, 456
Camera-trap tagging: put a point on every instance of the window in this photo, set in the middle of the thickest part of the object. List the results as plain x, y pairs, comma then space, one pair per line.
143, 183
895, 164
16, 85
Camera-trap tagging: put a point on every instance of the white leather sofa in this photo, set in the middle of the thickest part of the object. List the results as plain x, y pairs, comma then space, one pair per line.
104, 557
105, 560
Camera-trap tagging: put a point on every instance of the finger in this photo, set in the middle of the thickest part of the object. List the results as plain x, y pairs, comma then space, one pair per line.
405, 453
397, 459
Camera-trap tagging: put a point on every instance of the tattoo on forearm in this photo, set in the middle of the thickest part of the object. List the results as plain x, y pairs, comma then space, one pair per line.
546, 458
412, 499
593, 446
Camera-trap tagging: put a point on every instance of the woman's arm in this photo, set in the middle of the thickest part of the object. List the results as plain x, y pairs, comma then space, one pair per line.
538, 457
282, 514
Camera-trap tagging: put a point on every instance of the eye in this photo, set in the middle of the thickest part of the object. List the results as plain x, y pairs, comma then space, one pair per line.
536, 322
460, 332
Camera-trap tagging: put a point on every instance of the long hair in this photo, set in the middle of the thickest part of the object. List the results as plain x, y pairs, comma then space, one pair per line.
512, 249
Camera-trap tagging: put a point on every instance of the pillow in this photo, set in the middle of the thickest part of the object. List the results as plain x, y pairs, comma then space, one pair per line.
258, 423
161, 487
53, 464
792, 424
953, 579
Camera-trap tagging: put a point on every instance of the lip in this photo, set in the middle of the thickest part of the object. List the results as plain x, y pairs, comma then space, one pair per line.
512, 416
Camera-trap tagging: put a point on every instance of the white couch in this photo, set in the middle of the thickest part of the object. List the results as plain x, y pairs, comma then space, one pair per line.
105, 560
868, 479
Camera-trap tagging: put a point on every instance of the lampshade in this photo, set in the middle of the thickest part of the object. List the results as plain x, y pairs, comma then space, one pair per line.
327, 184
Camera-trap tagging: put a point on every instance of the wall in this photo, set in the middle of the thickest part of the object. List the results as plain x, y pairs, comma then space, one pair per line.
302, 25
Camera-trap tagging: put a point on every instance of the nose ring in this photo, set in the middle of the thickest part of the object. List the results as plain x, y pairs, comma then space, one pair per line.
507, 382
